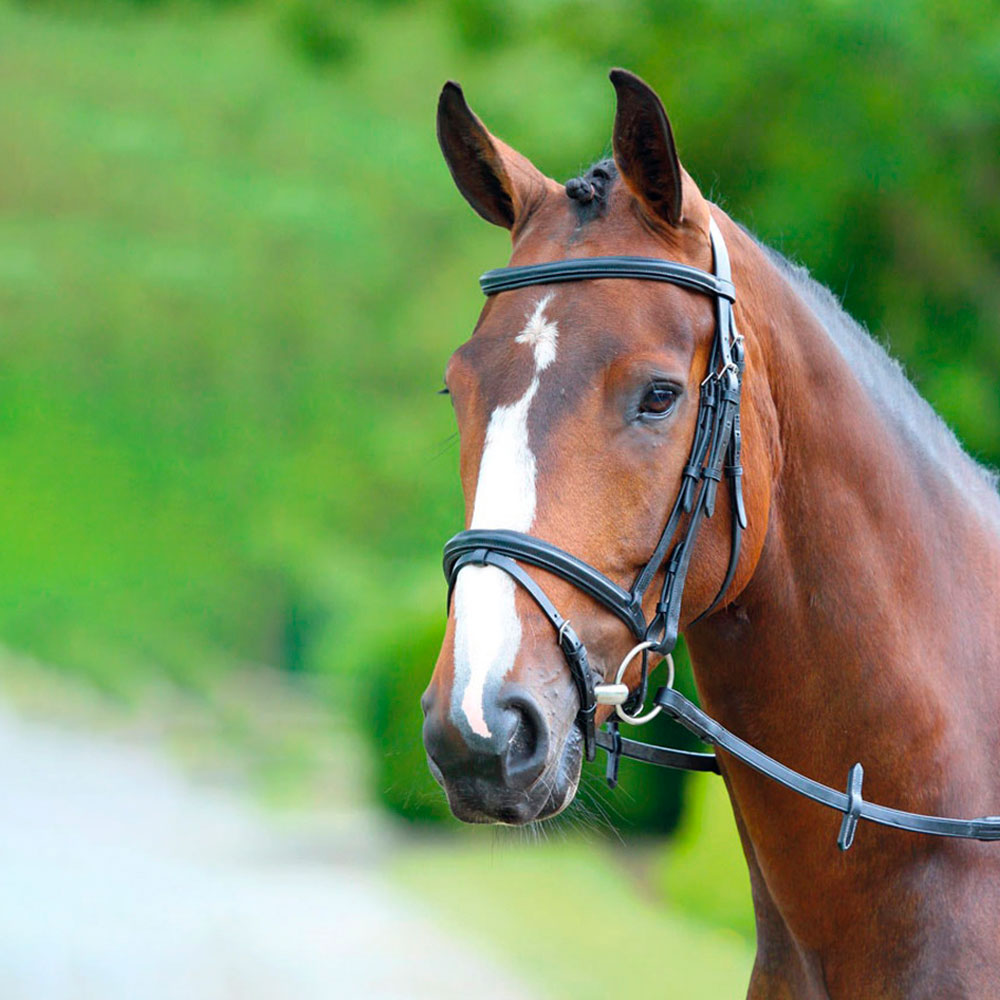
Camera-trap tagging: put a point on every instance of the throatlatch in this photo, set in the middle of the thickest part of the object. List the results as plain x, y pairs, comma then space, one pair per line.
715, 453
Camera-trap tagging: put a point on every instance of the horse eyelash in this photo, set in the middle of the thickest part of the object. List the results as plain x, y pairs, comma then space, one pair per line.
443, 391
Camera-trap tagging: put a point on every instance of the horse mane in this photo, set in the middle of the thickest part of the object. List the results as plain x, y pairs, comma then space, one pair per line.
883, 377
589, 192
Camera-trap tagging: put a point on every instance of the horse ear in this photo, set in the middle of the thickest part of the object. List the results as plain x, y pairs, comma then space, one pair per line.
497, 181
644, 148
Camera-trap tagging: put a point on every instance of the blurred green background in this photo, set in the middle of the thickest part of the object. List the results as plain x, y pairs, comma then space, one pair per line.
233, 266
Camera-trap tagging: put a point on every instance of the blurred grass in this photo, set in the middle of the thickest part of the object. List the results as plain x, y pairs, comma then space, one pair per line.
574, 921
256, 730
674, 919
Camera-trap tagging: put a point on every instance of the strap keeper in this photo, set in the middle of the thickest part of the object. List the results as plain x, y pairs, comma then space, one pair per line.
614, 754
711, 473
711, 490
852, 814
737, 348
569, 642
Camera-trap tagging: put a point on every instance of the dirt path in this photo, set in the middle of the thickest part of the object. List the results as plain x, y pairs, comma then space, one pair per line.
121, 879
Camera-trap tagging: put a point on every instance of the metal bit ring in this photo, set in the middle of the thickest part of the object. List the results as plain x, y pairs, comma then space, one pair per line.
638, 720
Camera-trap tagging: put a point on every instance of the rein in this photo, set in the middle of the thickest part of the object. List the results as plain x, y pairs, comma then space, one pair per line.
715, 452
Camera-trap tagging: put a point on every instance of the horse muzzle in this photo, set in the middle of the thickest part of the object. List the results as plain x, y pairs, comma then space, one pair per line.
518, 773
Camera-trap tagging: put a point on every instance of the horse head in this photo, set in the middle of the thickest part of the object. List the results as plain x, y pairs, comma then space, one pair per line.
577, 404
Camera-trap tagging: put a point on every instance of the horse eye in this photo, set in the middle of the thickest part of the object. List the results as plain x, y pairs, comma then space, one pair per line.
658, 401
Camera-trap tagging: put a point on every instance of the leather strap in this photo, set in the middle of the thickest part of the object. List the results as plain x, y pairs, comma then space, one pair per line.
850, 803
618, 746
717, 423
574, 651
505, 279
550, 557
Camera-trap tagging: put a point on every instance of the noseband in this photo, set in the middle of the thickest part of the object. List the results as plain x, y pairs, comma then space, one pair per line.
715, 452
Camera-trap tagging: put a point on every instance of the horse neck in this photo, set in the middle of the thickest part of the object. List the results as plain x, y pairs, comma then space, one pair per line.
868, 626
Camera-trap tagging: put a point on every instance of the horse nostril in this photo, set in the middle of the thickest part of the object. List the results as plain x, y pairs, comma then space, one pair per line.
528, 746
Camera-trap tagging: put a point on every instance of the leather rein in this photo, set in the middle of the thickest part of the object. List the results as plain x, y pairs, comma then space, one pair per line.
715, 454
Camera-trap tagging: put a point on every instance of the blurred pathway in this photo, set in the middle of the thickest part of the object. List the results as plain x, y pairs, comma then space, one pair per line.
122, 880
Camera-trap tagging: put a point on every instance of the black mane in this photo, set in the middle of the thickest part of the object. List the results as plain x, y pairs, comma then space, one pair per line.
590, 191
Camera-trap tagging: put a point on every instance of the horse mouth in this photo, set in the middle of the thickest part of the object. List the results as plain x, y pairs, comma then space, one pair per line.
480, 801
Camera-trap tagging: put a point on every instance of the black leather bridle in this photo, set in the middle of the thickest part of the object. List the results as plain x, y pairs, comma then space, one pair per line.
715, 454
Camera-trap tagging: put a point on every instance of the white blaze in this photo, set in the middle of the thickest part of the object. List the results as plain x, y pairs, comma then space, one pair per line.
487, 628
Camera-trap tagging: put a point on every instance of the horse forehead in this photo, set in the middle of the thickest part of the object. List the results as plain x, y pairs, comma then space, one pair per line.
552, 331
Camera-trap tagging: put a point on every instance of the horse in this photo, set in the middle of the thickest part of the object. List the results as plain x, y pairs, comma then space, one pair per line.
860, 617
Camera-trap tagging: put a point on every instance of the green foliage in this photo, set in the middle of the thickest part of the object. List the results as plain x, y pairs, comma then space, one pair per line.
318, 31
703, 872
484, 26
402, 782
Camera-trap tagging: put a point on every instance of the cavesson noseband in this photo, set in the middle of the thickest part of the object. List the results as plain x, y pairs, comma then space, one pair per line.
715, 453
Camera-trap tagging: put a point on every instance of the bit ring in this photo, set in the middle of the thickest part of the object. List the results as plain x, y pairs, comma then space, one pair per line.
638, 720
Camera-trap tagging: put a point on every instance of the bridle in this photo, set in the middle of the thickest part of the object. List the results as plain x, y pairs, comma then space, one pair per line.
716, 444
715, 453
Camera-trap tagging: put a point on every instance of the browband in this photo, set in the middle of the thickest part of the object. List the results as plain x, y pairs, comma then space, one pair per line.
505, 279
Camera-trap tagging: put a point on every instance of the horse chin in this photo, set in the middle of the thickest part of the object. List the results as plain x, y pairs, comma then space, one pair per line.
566, 777
476, 801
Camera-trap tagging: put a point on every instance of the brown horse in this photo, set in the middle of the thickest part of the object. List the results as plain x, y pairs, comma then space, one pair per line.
862, 620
